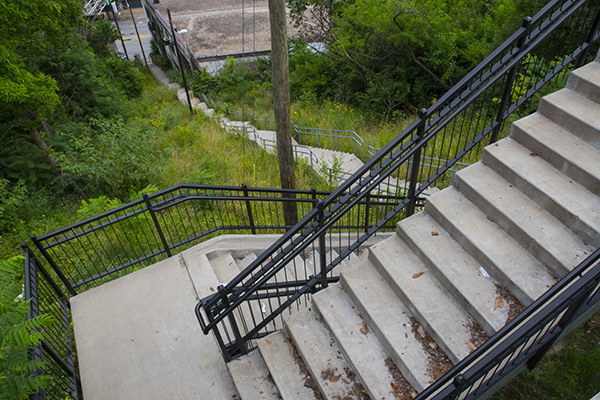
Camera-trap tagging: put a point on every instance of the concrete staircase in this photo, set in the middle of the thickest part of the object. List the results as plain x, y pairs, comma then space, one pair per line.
454, 274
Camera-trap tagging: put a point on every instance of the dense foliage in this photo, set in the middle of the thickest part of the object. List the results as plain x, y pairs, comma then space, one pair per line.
17, 335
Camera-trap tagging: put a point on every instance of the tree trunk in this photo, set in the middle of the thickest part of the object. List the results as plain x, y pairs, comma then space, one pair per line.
281, 105
35, 134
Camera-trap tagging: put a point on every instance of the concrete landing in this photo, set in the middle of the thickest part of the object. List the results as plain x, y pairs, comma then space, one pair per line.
137, 337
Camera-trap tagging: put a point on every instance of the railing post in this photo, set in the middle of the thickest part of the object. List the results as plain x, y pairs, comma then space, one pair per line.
322, 252
507, 92
156, 224
234, 326
367, 211
416, 163
50, 260
249, 209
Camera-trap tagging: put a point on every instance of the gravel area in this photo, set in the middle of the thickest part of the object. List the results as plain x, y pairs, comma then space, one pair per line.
215, 26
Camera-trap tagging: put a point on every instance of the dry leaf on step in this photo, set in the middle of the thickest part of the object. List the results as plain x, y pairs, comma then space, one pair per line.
268, 341
335, 378
421, 332
498, 303
533, 154
292, 349
365, 329
413, 394
437, 373
471, 346
434, 233
433, 345
418, 274
312, 345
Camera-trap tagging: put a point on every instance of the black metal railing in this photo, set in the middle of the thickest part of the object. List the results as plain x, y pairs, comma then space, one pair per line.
455, 128
56, 348
142, 232
147, 230
525, 340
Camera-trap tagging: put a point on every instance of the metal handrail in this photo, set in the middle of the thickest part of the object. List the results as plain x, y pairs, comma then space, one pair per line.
335, 134
296, 149
493, 78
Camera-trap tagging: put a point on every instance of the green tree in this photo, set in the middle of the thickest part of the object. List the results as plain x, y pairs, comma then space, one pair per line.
28, 95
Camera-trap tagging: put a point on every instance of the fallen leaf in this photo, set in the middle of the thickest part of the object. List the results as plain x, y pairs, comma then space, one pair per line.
418, 274
312, 345
434, 233
498, 303
156, 331
413, 394
433, 345
437, 373
268, 341
365, 329
394, 387
421, 332
335, 378
292, 349
471, 346
533, 154
345, 381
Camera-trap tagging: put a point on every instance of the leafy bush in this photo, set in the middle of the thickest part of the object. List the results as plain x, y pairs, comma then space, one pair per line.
125, 77
108, 156
11, 198
17, 335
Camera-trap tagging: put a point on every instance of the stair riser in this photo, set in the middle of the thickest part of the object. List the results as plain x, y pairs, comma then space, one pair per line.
478, 254
583, 85
457, 294
390, 349
436, 335
570, 122
511, 226
578, 172
587, 233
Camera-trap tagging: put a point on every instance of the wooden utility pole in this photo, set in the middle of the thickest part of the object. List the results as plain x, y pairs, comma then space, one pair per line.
281, 104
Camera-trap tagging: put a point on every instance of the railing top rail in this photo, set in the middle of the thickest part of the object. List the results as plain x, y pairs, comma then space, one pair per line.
174, 189
352, 134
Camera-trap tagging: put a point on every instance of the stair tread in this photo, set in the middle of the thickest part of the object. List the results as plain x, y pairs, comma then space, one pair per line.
252, 378
245, 260
450, 326
225, 267
390, 320
363, 352
586, 81
574, 205
539, 231
456, 269
322, 356
566, 152
574, 112
500, 255
285, 368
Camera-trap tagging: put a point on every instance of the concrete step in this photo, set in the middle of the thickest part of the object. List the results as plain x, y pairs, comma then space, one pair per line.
325, 361
289, 373
571, 203
359, 345
433, 306
499, 255
544, 236
225, 267
563, 150
245, 260
586, 81
252, 378
457, 271
390, 321
573, 112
